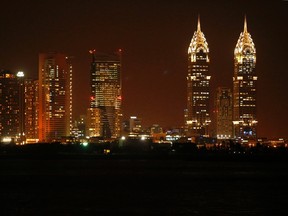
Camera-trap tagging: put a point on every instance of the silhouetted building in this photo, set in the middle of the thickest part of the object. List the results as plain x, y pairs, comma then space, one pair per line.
197, 117
9, 106
155, 128
104, 114
224, 105
135, 124
55, 96
244, 86
157, 133
79, 127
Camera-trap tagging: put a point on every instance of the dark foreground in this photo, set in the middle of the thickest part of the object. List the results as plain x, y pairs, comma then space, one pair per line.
79, 185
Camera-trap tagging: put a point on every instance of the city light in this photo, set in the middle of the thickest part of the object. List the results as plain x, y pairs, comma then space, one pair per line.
104, 114
6, 139
167, 115
85, 144
20, 74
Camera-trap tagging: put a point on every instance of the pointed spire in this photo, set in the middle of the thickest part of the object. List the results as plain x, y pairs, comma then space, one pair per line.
198, 25
245, 40
245, 24
198, 40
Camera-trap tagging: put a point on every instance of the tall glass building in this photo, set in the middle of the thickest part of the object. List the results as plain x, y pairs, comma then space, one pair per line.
244, 87
104, 114
197, 117
55, 96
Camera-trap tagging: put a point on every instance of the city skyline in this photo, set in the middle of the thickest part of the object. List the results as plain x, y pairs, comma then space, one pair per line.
154, 38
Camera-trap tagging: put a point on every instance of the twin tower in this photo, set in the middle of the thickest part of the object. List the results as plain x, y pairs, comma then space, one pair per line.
236, 110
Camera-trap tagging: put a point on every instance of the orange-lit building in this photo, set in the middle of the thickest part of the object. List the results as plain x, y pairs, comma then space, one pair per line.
244, 87
197, 114
104, 114
55, 96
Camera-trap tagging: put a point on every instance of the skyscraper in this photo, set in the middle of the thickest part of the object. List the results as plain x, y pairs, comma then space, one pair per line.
31, 109
55, 96
21, 86
224, 106
9, 106
104, 114
197, 117
244, 86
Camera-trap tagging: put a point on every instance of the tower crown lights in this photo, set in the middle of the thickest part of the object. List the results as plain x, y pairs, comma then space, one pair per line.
198, 41
244, 44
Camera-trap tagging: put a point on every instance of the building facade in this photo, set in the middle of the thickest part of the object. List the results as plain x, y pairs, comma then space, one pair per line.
79, 127
224, 109
55, 96
197, 114
244, 87
104, 113
31, 110
9, 106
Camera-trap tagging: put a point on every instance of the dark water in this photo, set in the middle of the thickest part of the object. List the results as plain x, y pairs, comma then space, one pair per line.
88, 186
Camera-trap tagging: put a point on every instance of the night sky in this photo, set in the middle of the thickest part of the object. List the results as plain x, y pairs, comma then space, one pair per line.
154, 37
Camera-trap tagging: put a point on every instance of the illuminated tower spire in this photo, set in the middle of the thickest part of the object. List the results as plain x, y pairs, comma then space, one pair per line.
245, 25
198, 25
244, 42
198, 42
244, 86
197, 117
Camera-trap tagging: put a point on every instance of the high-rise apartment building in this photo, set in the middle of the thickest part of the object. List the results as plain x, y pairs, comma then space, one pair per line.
224, 108
197, 117
31, 110
104, 114
244, 87
55, 96
21, 86
9, 106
